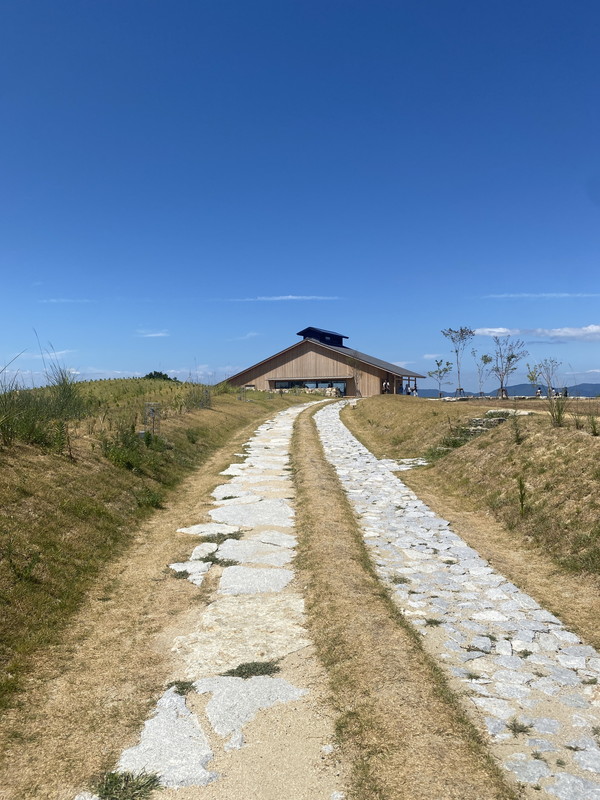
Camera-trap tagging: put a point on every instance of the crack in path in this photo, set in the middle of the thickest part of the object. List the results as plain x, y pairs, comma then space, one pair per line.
530, 683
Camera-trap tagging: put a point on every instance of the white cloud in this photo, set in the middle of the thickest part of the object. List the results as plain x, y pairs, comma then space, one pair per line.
278, 298
586, 333
151, 334
66, 300
497, 331
48, 355
243, 338
403, 363
432, 356
540, 295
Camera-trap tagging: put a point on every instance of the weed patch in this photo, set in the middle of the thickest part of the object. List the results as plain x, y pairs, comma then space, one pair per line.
182, 688
517, 728
250, 669
126, 786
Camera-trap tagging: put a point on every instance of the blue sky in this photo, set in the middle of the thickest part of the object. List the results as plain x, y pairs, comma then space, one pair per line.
186, 184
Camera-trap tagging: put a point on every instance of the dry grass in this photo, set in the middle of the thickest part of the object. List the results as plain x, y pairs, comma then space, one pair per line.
396, 426
398, 723
63, 518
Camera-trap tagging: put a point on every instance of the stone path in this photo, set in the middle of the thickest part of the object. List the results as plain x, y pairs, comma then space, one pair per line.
256, 617
529, 682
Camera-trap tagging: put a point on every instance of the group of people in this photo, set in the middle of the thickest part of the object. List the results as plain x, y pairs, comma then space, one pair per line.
385, 389
552, 392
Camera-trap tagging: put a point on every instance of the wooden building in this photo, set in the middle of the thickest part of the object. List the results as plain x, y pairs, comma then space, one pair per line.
321, 360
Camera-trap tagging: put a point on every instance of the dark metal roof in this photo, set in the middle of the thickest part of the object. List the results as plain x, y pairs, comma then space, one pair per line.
394, 369
306, 333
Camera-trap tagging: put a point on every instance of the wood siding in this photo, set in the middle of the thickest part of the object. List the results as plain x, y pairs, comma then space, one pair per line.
307, 361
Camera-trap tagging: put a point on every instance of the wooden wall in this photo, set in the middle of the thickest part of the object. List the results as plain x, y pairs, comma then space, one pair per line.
308, 361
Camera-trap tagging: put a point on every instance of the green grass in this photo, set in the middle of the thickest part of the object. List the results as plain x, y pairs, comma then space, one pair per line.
251, 668
126, 786
516, 727
181, 687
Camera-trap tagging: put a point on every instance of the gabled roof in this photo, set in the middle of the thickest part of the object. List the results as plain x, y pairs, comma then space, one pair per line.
393, 369
347, 352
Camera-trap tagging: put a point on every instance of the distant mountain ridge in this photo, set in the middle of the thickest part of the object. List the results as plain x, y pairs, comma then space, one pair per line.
527, 390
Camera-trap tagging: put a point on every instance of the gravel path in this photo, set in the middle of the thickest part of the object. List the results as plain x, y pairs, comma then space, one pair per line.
527, 681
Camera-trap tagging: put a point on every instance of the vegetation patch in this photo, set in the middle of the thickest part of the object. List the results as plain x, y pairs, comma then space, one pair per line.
211, 558
249, 669
126, 786
219, 538
181, 687
517, 728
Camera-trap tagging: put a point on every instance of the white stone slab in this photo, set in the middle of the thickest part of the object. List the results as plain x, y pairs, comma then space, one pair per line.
229, 490
195, 569
275, 537
243, 628
252, 580
273, 511
245, 500
252, 552
172, 745
203, 550
235, 701
209, 529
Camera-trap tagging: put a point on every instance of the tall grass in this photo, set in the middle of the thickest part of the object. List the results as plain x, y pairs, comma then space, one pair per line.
49, 416
40, 416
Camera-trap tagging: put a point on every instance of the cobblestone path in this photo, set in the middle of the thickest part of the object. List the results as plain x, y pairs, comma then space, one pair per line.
527, 681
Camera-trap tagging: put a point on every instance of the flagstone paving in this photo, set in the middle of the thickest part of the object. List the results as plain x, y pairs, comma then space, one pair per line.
530, 683
255, 616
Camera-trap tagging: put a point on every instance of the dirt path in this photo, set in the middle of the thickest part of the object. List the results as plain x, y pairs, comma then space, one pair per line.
400, 724
91, 696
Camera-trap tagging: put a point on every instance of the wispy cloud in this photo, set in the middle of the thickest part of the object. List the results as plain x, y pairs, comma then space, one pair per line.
48, 355
243, 338
403, 363
66, 300
540, 295
497, 331
586, 333
583, 372
279, 298
151, 334
431, 356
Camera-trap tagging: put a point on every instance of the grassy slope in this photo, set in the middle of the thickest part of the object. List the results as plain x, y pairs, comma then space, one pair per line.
63, 518
556, 468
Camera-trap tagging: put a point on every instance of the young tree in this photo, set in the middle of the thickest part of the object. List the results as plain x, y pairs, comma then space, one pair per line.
460, 339
507, 354
482, 364
440, 373
533, 374
557, 404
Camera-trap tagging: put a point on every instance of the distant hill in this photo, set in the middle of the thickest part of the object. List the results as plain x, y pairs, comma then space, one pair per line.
527, 390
